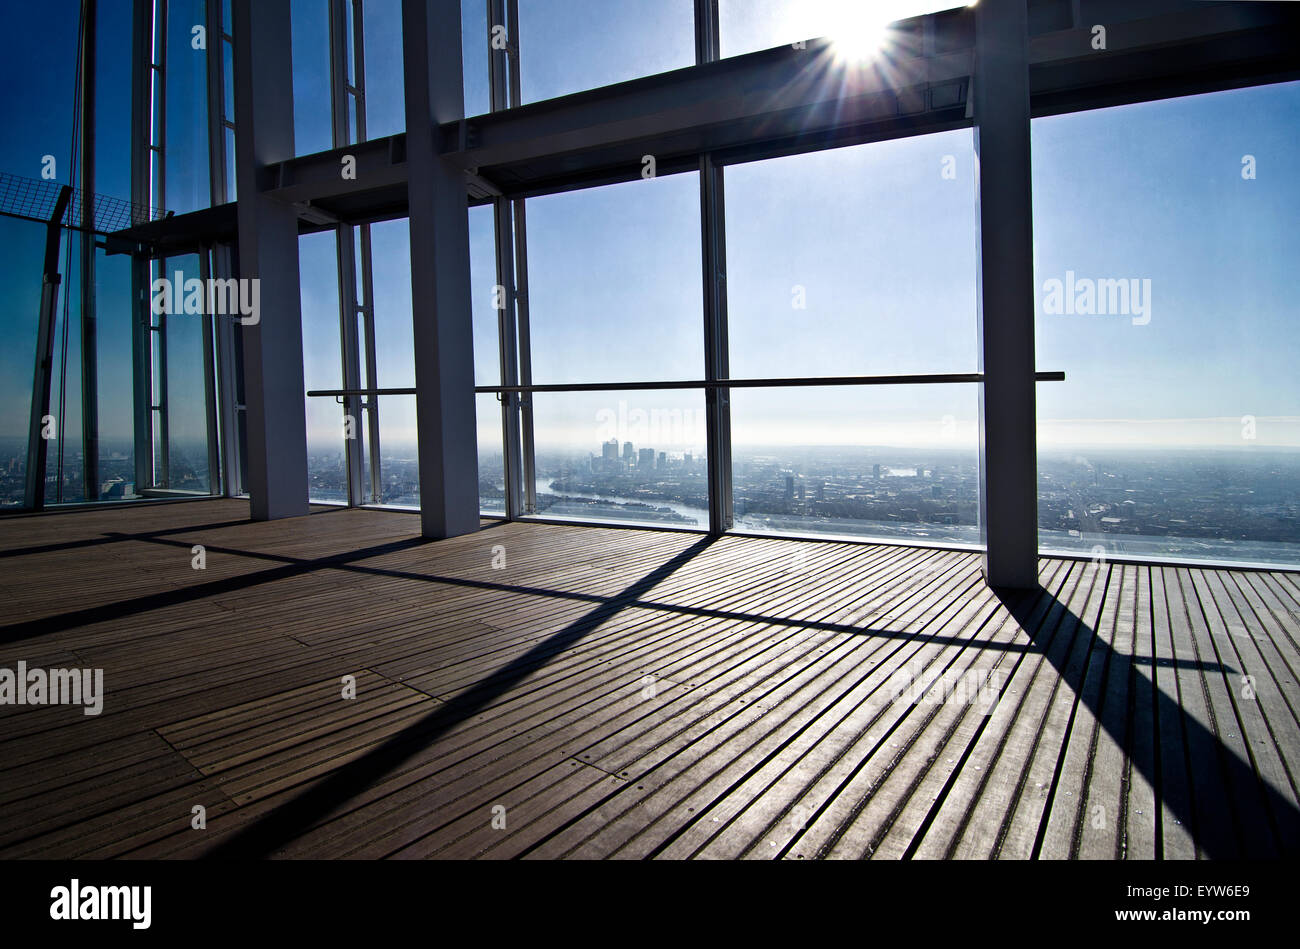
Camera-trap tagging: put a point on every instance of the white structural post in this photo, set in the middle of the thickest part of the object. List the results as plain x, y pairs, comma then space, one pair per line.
440, 277
268, 253
1008, 444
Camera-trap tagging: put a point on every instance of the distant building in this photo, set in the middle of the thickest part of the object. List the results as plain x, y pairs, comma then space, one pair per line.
686, 461
629, 453
609, 450
663, 460
875, 472
645, 459
789, 488
116, 488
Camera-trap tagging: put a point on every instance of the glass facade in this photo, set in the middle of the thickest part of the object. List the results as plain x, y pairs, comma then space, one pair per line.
1177, 430
1163, 250
567, 46
614, 283
635, 457
746, 26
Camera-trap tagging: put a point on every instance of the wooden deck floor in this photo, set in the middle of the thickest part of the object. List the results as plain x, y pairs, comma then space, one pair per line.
620, 693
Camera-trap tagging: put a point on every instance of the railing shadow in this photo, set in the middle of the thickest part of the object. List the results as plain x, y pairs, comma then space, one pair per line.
289, 820
1229, 809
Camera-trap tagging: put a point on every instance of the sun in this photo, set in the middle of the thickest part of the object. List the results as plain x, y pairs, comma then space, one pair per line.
858, 31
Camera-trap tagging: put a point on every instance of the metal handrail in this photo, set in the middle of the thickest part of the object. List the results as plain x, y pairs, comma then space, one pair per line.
809, 381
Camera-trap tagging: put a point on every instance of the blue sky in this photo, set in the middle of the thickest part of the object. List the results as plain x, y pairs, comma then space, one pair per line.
881, 242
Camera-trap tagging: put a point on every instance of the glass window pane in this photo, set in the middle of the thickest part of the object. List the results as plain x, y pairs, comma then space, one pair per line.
20, 275
188, 184
115, 376
623, 456
491, 461
394, 340
568, 46
385, 91
313, 129
228, 74
186, 406
745, 26
854, 261
486, 300
614, 283
322, 363
1165, 249
474, 53
890, 462
399, 453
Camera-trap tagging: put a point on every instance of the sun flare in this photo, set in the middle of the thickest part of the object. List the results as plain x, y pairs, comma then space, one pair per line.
859, 32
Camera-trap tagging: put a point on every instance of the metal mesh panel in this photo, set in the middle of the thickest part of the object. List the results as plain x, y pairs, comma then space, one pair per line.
35, 199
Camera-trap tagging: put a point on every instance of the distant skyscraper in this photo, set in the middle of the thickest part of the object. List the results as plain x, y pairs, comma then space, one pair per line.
789, 488
609, 450
920, 472
686, 460
629, 453
799, 489
821, 490
875, 472
645, 459
663, 460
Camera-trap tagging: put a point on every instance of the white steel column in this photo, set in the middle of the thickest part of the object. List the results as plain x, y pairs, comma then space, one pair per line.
1008, 441
440, 277
268, 252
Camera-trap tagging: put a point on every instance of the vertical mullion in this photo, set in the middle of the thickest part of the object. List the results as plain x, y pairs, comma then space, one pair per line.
216, 106
227, 386
141, 151
509, 359
367, 309
707, 47
209, 381
345, 250
89, 329
160, 106
346, 262
162, 475
713, 249
716, 352
359, 60
523, 330
525, 353
499, 79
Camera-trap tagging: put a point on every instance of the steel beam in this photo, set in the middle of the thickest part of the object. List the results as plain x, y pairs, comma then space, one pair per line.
268, 253
1008, 446
777, 102
37, 444
440, 275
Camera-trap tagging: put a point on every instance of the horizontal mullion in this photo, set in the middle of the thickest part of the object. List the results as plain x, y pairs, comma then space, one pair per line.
786, 382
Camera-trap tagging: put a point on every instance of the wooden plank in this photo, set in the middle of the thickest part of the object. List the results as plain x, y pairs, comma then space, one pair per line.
770, 730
